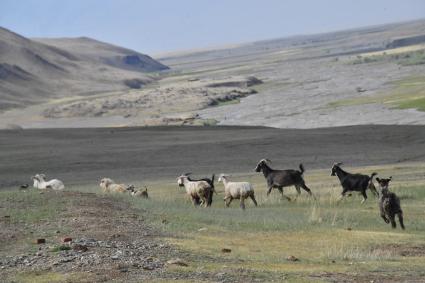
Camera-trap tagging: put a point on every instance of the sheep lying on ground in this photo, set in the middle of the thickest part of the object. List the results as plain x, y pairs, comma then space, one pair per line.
138, 193
198, 191
109, 186
237, 190
389, 204
41, 183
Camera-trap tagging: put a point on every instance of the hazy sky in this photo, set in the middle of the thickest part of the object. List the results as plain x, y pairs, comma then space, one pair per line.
164, 25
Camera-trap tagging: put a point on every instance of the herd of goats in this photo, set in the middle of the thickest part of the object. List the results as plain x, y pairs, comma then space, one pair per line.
201, 191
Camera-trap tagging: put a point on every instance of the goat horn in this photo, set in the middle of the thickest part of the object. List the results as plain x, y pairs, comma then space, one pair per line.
338, 164
187, 174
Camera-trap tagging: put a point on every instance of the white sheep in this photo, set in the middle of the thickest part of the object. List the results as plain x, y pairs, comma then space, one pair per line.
108, 185
197, 190
237, 190
41, 183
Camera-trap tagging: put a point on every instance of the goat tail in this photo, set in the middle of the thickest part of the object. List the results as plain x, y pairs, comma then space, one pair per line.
373, 174
302, 169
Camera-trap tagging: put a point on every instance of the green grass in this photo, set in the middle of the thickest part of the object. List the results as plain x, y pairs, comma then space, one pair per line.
348, 233
326, 236
408, 58
407, 93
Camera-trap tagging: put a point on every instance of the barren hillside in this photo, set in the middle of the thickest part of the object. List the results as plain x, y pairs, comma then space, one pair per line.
36, 71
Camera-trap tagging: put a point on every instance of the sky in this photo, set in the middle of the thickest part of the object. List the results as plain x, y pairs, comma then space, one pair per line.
157, 26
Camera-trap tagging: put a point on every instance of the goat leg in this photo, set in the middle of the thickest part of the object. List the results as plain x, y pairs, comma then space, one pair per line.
400, 219
282, 195
269, 190
242, 204
392, 220
385, 218
253, 199
364, 196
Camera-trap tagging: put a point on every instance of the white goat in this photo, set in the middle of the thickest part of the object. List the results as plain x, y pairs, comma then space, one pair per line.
197, 190
108, 185
41, 183
237, 190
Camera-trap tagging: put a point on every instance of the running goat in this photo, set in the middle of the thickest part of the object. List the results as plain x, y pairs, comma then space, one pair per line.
354, 182
389, 204
282, 178
237, 190
209, 181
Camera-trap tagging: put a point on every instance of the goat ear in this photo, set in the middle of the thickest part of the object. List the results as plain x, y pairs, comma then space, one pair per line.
390, 178
377, 179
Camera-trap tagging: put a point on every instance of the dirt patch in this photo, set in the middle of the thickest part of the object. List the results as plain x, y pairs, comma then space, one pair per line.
102, 238
367, 277
403, 250
108, 238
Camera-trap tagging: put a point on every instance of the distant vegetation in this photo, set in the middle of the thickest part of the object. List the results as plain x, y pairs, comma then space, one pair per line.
408, 58
408, 93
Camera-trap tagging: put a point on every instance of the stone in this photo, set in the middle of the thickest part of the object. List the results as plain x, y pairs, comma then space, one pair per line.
66, 239
226, 250
177, 261
40, 241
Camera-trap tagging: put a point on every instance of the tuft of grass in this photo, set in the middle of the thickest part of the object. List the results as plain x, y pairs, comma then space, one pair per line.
60, 248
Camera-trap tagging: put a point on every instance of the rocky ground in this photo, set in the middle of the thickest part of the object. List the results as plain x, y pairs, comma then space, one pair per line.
101, 239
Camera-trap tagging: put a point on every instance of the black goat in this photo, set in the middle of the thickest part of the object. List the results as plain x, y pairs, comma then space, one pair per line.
389, 204
282, 178
209, 181
354, 182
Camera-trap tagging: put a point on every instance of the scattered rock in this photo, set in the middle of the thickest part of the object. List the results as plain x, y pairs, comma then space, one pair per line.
202, 229
40, 241
79, 248
66, 239
349, 229
226, 250
292, 258
177, 261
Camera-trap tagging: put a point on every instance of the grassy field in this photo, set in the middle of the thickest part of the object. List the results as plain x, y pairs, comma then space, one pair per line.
332, 241
406, 93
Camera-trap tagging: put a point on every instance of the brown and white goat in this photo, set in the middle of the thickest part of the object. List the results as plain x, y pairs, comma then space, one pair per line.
389, 204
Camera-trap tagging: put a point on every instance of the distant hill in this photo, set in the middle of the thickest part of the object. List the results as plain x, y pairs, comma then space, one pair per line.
34, 71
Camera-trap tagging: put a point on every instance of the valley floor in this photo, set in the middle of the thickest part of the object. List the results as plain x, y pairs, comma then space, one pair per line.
122, 239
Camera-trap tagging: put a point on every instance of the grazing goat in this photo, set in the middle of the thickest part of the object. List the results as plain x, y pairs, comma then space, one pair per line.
354, 182
138, 193
237, 190
109, 186
41, 183
282, 178
209, 181
198, 191
389, 204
